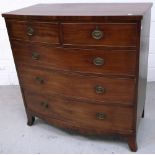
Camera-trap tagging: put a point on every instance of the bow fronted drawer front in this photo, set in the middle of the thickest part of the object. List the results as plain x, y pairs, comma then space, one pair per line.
93, 88
85, 61
82, 114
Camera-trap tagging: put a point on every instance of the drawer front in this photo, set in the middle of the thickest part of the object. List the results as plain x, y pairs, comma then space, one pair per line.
34, 31
114, 62
77, 86
107, 34
81, 114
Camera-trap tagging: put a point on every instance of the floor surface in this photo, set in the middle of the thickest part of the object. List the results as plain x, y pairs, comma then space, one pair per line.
17, 137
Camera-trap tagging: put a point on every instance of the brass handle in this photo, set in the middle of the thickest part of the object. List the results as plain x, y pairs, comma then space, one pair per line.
97, 34
98, 61
39, 79
99, 90
101, 116
44, 104
30, 31
35, 56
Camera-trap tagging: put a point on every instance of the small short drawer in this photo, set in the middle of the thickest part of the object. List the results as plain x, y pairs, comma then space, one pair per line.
103, 62
45, 32
113, 118
100, 34
93, 88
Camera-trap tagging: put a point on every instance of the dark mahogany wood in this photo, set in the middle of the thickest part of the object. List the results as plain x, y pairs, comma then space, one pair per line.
132, 142
81, 113
42, 31
127, 11
114, 34
54, 53
117, 90
142, 70
116, 62
30, 119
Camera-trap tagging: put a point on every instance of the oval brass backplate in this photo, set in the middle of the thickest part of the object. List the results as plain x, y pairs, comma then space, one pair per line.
101, 115
99, 89
98, 61
44, 104
35, 56
97, 34
39, 79
30, 31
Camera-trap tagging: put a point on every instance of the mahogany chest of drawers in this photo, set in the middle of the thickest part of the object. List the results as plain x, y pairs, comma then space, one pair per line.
83, 67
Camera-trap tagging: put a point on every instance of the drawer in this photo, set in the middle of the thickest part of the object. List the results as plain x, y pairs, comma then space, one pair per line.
107, 62
100, 34
81, 114
101, 89
34, 31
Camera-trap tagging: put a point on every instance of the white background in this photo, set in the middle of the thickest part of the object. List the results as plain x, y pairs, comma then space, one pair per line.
7, 69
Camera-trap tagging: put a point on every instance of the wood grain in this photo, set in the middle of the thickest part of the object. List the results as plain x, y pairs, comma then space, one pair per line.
80, 113
129, 10
113, 34
43, 31
116, 90
116, 62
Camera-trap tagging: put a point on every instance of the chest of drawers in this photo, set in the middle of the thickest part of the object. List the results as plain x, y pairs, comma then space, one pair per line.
83, 67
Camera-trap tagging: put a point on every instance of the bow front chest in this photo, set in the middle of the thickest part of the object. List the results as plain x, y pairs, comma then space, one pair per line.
83, 67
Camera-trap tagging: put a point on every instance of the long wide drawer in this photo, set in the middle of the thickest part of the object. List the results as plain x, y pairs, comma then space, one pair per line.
92, 88
81, 114
44, 32
107, 62
100, 34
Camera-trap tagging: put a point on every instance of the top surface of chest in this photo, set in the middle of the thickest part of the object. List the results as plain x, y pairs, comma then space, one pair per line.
133, 11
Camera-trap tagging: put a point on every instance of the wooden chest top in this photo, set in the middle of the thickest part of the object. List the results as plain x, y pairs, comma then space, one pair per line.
129, 11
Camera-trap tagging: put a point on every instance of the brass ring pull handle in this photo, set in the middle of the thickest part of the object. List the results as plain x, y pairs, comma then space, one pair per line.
44, 104
35, 56
101, 116
39, 79
98, 61
97, 34
99, 90
30, 31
